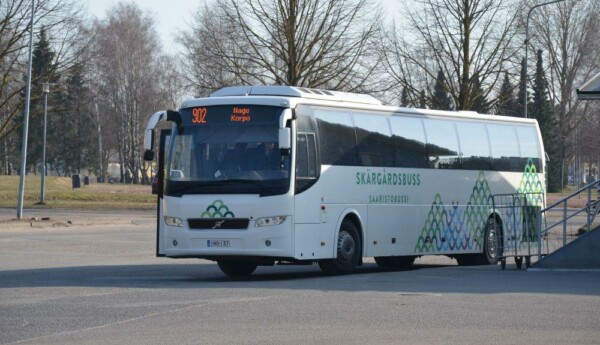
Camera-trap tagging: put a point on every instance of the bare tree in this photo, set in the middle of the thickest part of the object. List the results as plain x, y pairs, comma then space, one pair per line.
127, 65
471, 41
567, 33
202, 68
62, 21
311, 43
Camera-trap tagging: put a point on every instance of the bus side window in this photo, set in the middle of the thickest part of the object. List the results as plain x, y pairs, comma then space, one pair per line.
474, 145
337, 138
442, 144
374, 140
505, 148
408, 140
529, 147
306, 161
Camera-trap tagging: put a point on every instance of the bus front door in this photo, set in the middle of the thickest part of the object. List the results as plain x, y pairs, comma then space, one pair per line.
165, 136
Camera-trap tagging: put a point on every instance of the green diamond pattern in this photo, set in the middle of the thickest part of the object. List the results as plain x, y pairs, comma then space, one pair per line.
452, 229
531, 185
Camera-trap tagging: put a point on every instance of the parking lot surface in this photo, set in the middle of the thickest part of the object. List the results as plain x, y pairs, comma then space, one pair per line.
92, 278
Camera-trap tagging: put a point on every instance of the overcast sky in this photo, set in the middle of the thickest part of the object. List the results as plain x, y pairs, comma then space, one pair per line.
173, 15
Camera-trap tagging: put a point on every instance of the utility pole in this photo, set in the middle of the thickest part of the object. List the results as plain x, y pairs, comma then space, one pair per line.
45, 91
99, 143
26, 120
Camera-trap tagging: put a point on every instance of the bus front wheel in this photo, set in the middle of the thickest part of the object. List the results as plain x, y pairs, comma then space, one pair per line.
348, 251
236, 268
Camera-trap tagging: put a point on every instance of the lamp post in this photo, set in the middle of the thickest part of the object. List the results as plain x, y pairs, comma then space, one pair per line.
26, 120
45, 91
527, 46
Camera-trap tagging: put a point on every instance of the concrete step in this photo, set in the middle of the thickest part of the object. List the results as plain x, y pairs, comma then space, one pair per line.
582, 253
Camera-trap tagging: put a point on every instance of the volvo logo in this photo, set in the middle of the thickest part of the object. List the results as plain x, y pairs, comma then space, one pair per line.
218, 224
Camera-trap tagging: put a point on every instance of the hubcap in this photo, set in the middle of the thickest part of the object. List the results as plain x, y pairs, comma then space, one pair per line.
492, 244
346, 247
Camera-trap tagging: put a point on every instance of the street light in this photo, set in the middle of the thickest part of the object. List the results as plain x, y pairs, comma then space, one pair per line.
26, 120
45, 91
527, 46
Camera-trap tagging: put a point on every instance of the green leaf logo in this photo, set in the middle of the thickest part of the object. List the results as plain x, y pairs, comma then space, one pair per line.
217, 209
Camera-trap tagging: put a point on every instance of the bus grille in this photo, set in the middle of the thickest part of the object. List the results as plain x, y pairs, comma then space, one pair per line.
219, 223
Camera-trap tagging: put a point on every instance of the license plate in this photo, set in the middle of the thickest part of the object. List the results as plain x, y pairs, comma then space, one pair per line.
218, 243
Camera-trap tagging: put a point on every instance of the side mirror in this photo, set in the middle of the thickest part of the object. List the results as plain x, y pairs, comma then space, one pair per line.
148, 155
149, 139
285, 138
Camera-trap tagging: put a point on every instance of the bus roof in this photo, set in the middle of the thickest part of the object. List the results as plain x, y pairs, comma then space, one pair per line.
290, 96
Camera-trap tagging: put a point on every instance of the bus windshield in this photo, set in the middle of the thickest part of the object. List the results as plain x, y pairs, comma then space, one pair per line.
228, 150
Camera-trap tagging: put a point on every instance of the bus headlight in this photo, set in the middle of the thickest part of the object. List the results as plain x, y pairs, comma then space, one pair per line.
173, 221
269, 221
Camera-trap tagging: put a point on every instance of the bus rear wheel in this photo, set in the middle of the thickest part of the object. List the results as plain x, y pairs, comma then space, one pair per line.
348, 251
236, 268
492, 247
395, 262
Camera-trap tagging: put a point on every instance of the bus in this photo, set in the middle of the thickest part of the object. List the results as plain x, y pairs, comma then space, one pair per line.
264, 175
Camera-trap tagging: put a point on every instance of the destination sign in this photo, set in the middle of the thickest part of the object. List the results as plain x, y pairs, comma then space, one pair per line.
231, 114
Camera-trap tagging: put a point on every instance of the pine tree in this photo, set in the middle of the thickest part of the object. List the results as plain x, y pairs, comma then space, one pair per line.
42, 71
520, 105
422, 100
441, 100
506, 104
480, 104
404, 98
74, 144
541, 110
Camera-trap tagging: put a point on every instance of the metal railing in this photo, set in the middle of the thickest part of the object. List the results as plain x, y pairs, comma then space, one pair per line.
563, 217
518, 237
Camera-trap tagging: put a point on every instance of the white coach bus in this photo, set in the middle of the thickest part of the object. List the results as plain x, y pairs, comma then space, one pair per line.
275, 174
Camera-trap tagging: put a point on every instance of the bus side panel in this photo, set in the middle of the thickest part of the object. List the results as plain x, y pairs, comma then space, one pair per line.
313, 241
391, 229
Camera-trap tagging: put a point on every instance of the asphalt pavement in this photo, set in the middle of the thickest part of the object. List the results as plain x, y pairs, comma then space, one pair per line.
92, 278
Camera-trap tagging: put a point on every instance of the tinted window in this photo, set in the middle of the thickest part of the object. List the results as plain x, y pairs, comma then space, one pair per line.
408, 140
505, 148
374, 140
306, 162
529, 145
336, 137
474, 146
442, 144
304, 121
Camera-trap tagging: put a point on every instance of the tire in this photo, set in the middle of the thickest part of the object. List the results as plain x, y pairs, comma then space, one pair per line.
348, 251
395, 262
519, 262
492, 243
234, 268
492, 248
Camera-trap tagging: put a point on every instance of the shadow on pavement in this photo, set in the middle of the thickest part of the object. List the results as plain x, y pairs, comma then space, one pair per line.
420, 279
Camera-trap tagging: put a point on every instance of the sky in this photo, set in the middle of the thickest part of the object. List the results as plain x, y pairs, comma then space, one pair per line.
173, 15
